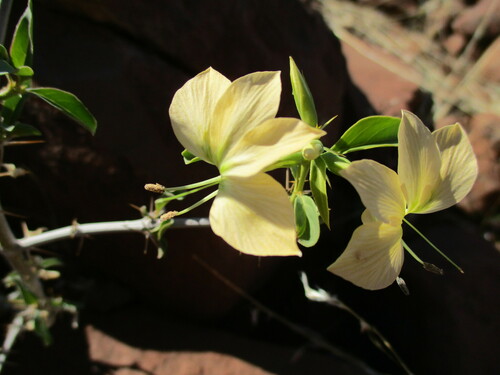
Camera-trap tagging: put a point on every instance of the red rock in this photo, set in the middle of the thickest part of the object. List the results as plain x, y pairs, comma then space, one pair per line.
107, 350
387, 91
469, 20
455, 43
485, 138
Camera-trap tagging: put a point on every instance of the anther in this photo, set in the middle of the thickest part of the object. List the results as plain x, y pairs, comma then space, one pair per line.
155, 188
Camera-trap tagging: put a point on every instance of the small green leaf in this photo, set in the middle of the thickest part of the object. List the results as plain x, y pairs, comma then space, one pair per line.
42, 330
68, 104
334, 162
302, 95
21, 130
307, 220
4, 55
318, 187
25, 71
369, 132
6, 68
28, 297
21, 48
50, 262
189, 157
11, 109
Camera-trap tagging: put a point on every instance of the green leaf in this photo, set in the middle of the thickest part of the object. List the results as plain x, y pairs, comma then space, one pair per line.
25, 71
189, 157
21, 130
68, 104
318, 187
4, 55
334, 162
369, 132
307, 220
28, 297
11, 109
21, 48
6, 68
42, 330
302, 95
50, 262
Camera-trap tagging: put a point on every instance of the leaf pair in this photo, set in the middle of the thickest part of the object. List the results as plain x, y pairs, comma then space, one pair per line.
16, 64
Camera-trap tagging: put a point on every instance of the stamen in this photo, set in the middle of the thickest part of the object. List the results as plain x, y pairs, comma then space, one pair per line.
155, 188
168, 215
433, 246
206, 183
402, 285
407, 248
199, 203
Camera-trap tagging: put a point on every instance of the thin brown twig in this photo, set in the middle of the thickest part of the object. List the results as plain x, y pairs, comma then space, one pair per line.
314, 338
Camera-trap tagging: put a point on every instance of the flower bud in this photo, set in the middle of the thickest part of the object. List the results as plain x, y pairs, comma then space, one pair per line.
313, 150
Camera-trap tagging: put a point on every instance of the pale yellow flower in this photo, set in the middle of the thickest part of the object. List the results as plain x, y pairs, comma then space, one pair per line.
435, 171
233, 126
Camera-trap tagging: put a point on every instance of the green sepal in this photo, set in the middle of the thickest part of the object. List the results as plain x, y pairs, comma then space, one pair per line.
335, 162
159, 233
160, 203
6, 68
291, 160
164, 225
318, 186
189, 158
19, 130
21, 48
302, 95
67, 103
306, 220
369, 132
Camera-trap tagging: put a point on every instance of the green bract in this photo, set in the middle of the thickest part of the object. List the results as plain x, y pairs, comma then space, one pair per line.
369, 132
302, 96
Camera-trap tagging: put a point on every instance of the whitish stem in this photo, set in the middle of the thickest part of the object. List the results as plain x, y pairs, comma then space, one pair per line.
315, 338
81, 230
320, 295
10, 338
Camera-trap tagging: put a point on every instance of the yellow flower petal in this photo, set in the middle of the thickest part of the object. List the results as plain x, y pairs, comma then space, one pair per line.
254, 215
192, 109
419, 162
373, 258
266, 144
379, 190
367, 217
458, 168
248, 102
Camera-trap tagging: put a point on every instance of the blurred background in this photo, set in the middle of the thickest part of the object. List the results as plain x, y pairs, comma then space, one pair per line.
143, 315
